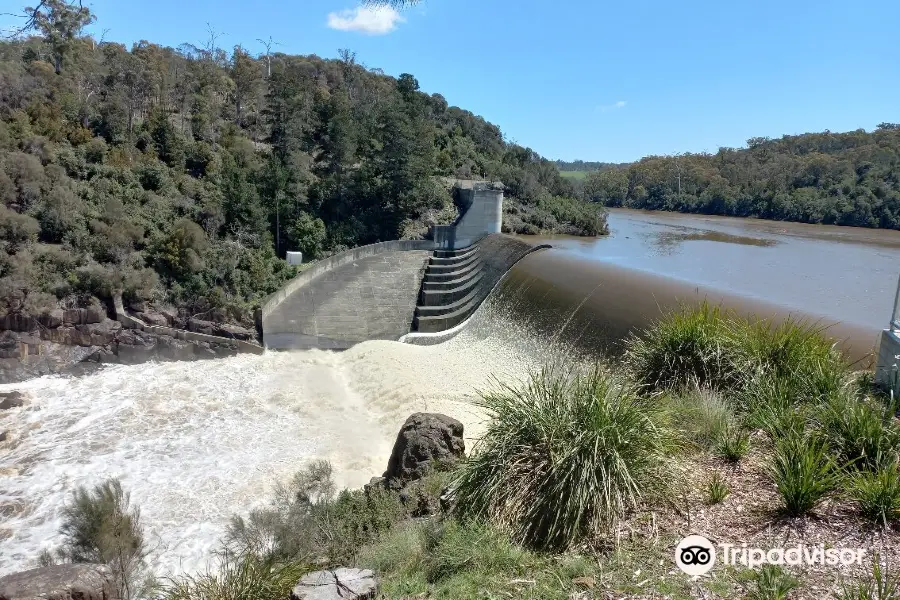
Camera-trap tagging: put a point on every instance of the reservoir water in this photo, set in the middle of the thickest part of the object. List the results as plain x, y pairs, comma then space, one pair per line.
198, 442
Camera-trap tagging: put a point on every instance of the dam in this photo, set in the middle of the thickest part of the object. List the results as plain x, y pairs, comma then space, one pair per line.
387, 290
197, 442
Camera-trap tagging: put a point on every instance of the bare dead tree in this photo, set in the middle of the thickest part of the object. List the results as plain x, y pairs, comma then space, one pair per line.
268, 45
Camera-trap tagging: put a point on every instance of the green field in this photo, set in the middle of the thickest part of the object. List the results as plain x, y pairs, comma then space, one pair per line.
574, 174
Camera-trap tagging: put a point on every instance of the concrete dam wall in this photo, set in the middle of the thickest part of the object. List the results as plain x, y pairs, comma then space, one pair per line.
381, 291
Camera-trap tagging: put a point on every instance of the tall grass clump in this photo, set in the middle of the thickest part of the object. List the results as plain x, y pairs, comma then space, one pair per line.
797, 353
687, 346
878, 584
566, 453
877, 493
244, 576
861, 432
772, 582
803, 472
100, 526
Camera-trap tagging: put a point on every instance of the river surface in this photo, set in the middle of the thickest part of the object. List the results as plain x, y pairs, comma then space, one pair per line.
841, 277
198, 442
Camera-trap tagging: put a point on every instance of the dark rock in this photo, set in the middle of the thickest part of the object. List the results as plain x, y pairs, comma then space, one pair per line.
375, 483
138, 306
200, 326
73, 316
51, 319
17, 321
337, 584
3, 436
169, 348
235, 331
426, 441
153, 318
59, 582
11, 400
93, 314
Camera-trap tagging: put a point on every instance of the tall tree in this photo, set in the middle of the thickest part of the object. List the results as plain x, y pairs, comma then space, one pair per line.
60, 23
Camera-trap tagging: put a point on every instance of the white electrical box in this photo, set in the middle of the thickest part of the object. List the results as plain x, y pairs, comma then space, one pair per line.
294, 258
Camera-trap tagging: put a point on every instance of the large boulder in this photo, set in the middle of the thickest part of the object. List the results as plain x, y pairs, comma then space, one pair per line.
336, 584
425, 441
11, 400
59, 582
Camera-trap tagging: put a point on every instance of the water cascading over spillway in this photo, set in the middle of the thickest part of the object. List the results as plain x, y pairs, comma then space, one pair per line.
197, 442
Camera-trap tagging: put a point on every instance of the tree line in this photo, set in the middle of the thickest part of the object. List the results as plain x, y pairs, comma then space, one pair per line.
182, 175
832, 178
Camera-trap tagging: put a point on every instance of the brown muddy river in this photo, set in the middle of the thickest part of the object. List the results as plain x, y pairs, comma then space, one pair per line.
839, 276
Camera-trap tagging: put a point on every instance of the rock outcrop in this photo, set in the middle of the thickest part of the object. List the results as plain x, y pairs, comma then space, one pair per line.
76, 340
11, 400
59, 582
426, 441
337, 584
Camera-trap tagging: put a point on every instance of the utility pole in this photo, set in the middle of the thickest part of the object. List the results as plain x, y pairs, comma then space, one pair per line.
678, 170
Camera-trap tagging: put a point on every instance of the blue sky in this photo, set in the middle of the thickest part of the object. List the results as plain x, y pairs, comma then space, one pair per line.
590, 79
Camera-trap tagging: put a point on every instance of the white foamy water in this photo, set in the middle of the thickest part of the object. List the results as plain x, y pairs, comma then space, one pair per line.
195, 443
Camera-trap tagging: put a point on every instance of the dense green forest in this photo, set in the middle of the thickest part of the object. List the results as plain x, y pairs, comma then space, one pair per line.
182, 175
834, 178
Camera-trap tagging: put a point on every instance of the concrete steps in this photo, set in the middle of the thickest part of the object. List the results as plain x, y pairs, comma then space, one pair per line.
450, 289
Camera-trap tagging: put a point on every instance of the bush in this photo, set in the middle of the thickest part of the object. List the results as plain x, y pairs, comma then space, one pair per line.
699, 415
877, 493
243, 576
716, 490
795, 352
772, 583
690, 346
565, 454
861, 432
803, 472
879, 584
307, 520
733, 442
100, 526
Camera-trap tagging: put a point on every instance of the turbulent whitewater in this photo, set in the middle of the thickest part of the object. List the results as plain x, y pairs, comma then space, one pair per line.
198, 442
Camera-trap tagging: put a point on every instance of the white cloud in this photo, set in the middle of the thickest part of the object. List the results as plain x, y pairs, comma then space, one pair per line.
609, 107
365, 19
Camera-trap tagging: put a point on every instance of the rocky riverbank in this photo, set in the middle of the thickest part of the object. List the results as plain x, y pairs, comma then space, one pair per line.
79, 339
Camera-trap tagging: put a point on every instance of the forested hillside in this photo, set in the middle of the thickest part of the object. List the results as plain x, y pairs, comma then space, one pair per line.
835, 178
182, 175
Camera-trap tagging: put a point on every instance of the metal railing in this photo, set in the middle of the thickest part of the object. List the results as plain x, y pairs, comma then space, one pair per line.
895, 316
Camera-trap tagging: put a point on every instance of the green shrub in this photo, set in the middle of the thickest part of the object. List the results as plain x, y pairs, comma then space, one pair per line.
100, 526
772, 582
308, 520
878, 584
877, 493
795, 352
803, 472
244, 576
458, 547
772, 406
861, 432
699, 415
689, 346
716, 489
733, 442
565, 453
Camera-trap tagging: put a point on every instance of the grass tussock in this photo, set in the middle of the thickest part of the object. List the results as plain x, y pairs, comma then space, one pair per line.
879, 583
803, 472
772, 582
565, 454
690, 346
877, 493
245, 576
